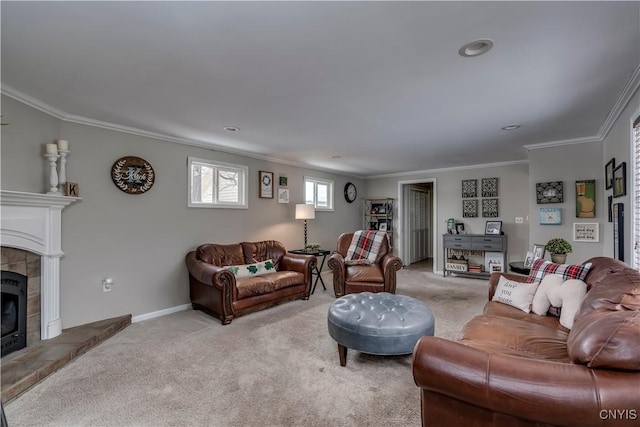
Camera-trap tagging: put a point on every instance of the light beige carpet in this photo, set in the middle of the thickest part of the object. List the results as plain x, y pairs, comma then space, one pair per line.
277, 367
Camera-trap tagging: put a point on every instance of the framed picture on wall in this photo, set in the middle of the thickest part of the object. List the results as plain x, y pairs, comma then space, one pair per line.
618, 231
586, 199
266, 185
549, 192
620, 180
469, 188
586, 232
608, 173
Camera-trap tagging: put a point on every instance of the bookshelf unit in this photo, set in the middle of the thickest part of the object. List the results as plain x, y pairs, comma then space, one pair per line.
378, 215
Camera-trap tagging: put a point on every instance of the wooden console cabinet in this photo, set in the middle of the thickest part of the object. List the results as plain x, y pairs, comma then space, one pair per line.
474, 248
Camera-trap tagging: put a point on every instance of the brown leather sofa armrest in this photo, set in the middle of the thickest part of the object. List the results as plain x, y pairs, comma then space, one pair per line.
544, 391
208, 274
495, 278
336, 264
390, 263
300, 263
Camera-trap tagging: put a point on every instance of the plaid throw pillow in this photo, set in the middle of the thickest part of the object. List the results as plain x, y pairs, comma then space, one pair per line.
542, 267
365, 244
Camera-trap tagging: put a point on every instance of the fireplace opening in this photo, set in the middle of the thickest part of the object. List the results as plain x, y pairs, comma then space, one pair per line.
14, 311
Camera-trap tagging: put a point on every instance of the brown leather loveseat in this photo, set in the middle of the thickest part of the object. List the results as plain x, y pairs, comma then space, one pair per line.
217, 291
510, 368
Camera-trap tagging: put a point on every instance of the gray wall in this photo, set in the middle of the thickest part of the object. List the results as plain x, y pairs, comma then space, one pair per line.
141, 240
568, 163
513, 197
618, 144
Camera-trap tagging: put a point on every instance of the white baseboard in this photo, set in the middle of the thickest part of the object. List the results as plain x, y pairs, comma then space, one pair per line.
160, 313
171, 310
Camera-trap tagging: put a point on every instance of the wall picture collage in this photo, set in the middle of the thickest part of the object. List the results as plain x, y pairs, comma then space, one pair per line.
471, 201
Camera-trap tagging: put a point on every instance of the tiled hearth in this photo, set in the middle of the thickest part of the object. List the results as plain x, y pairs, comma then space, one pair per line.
24, 368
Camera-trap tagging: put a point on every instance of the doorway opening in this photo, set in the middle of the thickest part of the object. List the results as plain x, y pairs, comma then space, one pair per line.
417, 240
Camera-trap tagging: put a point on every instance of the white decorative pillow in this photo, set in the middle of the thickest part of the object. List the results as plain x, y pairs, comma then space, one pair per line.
553, 290
517, 294
251, 270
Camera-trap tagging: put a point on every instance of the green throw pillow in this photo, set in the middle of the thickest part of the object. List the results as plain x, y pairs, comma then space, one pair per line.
250, 270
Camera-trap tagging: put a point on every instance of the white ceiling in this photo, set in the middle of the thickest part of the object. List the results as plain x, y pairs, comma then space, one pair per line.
379, 84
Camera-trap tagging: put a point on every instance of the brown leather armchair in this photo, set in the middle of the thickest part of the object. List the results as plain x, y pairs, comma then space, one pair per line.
351, 279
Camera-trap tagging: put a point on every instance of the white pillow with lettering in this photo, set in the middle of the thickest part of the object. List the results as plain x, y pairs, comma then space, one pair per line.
517, 294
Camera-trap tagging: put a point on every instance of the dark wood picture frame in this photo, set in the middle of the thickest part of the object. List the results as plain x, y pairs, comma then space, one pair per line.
469, 188
620, 180
618, 231
549, 192
470, 208
265, 185
608, 173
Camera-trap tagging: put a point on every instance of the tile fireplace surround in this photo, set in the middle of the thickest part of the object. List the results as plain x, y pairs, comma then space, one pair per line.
33, 222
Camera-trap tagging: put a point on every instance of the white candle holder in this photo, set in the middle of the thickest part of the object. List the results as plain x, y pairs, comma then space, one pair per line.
62, 174
53, 172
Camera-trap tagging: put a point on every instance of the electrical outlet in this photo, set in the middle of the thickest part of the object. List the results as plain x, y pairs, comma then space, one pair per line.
107, 284
519, 220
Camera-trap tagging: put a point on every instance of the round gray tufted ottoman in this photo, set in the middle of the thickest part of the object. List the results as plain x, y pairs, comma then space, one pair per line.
378, 323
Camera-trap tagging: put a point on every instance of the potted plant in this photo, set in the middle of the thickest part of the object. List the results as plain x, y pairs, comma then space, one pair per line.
558, 248
312, 246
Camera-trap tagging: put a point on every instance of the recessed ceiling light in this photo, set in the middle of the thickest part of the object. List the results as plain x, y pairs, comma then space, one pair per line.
231, 128
511, 127
476, 47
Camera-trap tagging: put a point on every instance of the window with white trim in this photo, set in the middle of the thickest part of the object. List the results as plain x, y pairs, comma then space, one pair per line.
214, 184
635, 244
318, 192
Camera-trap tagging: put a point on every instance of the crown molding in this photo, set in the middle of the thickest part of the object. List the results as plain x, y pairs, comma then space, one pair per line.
584, 140
451, 169
626, 94
71, 118
32, 102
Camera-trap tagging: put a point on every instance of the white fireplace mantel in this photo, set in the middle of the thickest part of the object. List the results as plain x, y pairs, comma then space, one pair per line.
33, 222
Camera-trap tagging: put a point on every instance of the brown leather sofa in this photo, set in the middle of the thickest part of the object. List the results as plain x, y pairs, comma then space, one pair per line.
510, 368
377, 277
216, 290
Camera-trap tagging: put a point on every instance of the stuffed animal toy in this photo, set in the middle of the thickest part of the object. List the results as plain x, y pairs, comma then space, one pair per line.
553, 290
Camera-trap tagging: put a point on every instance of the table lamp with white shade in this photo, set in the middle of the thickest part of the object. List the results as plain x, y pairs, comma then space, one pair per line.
305, 211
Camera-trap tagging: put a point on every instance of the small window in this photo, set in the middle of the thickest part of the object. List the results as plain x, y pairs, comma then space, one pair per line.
217, 185
319, 192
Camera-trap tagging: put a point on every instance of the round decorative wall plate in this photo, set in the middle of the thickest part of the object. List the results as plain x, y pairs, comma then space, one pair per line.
133, 175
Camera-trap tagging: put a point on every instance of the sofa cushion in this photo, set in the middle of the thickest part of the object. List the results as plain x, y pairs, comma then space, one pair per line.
606, 339
252, 286
523, 338
503, 310
285, 279
220, 254
517, 294
568, 294
364, 273
541, 268
261, 251
252, 270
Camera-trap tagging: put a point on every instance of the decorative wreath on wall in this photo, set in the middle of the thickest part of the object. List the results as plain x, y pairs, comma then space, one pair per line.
133, 175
